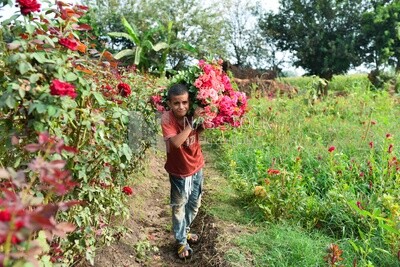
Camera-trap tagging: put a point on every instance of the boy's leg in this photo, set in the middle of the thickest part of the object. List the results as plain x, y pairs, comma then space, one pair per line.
178, 203
194, 201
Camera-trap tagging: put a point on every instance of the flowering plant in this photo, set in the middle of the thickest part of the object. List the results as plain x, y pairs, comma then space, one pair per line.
209, 87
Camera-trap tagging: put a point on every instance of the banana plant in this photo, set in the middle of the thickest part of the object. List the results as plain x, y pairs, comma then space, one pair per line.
142, 43
173, 45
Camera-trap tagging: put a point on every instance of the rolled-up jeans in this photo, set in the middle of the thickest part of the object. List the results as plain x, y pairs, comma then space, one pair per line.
185, 203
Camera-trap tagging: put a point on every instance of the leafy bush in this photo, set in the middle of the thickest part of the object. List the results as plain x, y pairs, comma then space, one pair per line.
53, 81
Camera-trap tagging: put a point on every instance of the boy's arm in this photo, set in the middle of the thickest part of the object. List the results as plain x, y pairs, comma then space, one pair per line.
180, 138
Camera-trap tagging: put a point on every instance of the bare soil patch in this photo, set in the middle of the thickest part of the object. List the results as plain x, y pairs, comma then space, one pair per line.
149, 241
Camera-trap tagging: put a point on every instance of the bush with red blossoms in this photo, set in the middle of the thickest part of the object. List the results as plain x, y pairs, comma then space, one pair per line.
23, 213
28, 6
83, 151
210, 88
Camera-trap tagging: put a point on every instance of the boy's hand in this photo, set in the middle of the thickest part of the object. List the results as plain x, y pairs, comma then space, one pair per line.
198, 112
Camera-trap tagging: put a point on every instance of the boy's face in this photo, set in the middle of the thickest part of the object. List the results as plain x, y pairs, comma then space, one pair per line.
179, 104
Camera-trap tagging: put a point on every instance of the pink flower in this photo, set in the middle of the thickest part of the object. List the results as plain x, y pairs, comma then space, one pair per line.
127, 190
331, 149
60, 88
124, 89
28, 6
156, 101
69, 43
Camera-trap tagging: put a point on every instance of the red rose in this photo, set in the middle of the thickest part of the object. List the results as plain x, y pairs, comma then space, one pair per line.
124, 89
28, 6
69, 43
60, 88
127, 190
5, 216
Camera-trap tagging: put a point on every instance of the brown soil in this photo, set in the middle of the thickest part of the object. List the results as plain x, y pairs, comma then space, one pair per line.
149, 240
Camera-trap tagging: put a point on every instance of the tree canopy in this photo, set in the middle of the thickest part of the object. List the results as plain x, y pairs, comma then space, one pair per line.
321, 34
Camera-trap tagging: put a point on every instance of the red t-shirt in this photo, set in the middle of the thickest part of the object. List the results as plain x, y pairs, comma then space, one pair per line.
187, 159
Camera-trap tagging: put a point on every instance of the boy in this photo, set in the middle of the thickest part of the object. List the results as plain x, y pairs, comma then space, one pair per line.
184, 165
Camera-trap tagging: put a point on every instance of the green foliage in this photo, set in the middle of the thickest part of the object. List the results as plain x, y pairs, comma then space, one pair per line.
379, 39
195, 36
143, 44
95, 116
319, 33
311, 162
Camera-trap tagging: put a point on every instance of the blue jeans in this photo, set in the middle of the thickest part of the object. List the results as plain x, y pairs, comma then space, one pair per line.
185, 203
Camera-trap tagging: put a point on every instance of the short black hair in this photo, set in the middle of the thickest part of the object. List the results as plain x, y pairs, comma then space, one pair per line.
177, 89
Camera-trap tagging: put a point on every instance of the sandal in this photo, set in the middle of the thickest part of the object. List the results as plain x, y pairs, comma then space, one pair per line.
192, 238
182, 249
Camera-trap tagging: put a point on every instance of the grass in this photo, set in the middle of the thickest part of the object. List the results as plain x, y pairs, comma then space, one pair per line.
307, 207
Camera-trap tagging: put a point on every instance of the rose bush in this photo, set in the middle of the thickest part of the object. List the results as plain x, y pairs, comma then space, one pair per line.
53, 81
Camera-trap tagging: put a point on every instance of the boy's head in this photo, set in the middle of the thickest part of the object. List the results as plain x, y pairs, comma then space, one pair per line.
178, 100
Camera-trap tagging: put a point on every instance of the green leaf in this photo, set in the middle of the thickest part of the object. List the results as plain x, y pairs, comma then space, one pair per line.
138, 52
7, 21
39, 56
99, 98
121, 34
10, 101
124, 53
159, 46
30, 28
40, 108
21, 92
127, 152
131, 31
34, 78
51, 110
41, 239
24, 67
116, 115
70, 77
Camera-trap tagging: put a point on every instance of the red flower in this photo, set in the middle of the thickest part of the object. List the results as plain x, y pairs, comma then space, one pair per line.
331, 149
127, 190
124, 89
28, 6
69, 43
388, 136
60, 88
371, 144
359, 205
390, 149
5, 216
273, 171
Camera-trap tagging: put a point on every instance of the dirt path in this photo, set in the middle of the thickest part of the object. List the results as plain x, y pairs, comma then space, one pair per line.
149, 241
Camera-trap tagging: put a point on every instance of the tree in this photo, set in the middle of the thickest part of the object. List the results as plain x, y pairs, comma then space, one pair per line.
380, 39
245, 43
320, 33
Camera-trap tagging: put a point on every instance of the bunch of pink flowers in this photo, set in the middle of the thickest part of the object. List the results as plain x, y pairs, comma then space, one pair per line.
210, 88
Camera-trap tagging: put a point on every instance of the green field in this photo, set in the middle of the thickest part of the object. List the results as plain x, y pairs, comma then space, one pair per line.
312, 172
